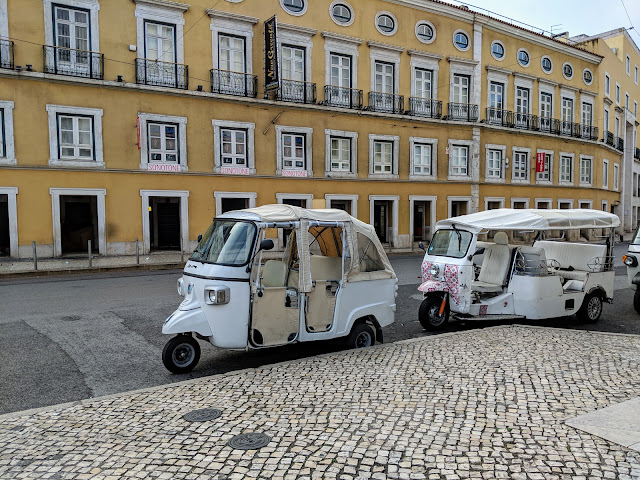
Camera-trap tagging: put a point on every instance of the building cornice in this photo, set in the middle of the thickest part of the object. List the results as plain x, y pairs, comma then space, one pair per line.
608, 101
550, 83
232, 16
342, 38
466, 61
164, 3
297, 29
569, 87
588, 92
493, 68
385, 46
526, 76
429, 55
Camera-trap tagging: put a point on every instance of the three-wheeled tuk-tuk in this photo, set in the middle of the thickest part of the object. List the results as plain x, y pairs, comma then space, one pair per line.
534, 264
633, 268
276, 275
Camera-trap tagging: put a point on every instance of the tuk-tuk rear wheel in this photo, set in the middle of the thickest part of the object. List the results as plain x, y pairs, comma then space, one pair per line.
591, 308
361, 336
181, 354
429, 313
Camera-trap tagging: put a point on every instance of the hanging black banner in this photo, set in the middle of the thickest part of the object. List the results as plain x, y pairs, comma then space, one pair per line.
271, 81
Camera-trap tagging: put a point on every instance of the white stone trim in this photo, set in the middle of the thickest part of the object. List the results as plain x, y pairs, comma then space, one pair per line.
616, 178
588, 202
464, 143
183, 195
353, 160
433, 29
96, 113
386, 56
308, 143
145, 118
571, 181
458, 198
91, 5
217, 142
308, 197
395, 139
504, 50
99, 193
236, 26
10, 156
550, 60
493, 199
591, 159
572, 71
518, 57
11, 193
432, 212
607, 92
348, 5
526, 150
220, 195
434, 158
338, 196
503, 150
548, 201
565, 200
605, 162
525, 200
592, 76
395, 23
418, 60
4, 19
457, 67
395, 200
469, 39
296, 38
296, 14
165, 3
605, 206
332, 44
498, 77
163, 12
232, 16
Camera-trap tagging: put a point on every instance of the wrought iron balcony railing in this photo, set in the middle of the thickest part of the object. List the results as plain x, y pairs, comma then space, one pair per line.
386, 102
588, 132
234, 83
567, 128
620, 144
295, 91
549, 125
343, 97
497, 116
608, 138
636, 154
73, 62
464, 112
425, 107
525, 121
162, 74
6, 54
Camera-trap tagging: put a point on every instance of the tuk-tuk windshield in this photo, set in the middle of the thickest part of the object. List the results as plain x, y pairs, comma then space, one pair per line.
226, 242
450, 243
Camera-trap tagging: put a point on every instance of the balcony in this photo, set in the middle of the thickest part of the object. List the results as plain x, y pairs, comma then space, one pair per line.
496, 116
386, 102
587, 131
162, 74
72, 62
342, 97
295, 91
549, 125
425, 107
525, 121
608, 139
233, 83
464, 112
620, 144
6, 54
567, 128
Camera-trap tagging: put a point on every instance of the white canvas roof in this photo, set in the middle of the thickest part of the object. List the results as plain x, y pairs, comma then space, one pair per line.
532, 219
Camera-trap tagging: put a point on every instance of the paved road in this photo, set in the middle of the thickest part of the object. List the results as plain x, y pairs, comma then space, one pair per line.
73, 337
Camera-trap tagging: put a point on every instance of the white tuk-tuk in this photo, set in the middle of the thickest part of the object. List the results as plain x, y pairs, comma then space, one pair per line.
545, 276
328, 278
633, 268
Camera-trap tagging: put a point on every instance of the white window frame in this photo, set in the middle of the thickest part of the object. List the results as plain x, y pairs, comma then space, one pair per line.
617, 93
181, 138
466, 68
627, 66
525, 200
616, 176
542, 181
605, 174
514, 151
183, 195
432, 214
456, 198
395, 200
606, 121
550, 61
217, 143
430, 25
434, 158
169, 12
503, 160
460, 143
590, 182
583, 201
538, 201
99, 193
584, 72
563, 201
341, 45
550, 90
91, 5
498, 77
469, 39
572, 158
395, 140
504, 50
501, 200
96, 114
251, 196
4, 19
308, 141
353, 160
300, 37
518, 57
607, 84
346, 4
328, 197
395, 23
635, 108
425, 61
526, 84
568, 77
627, 100
236, 25
10, 152
635, 75
305, 4
380, 53
11, 193
605, 206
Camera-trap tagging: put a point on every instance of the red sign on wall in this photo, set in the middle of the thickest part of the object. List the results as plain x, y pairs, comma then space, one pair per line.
540, 162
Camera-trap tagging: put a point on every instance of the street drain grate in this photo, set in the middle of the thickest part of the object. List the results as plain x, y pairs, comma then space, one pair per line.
249, 441
202, 415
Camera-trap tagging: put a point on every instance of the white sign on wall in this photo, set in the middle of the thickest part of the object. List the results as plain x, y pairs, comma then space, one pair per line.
163, 167
234, 170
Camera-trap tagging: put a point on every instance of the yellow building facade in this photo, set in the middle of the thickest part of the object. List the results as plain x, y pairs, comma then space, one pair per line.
141, 119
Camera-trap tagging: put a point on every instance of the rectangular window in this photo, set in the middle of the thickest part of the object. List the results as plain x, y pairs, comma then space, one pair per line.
626, 100
566, 165
459, 161
605, 174
3, 142
546, 105
635, 108
423, 83
384, 77
160, 42
628, 65
520, 166
617, 126
587, 114
233, 147
461, 88
340, 154
293, 67
606, 120
617, 93
340, 70
607, 85
163, 142
616, 170
293, 151
567, 110
231, 55
494, 164
496, 95
71, 36
585, 170
522, 100
545, 175
382, 157
75, 135
422, 159
636, 75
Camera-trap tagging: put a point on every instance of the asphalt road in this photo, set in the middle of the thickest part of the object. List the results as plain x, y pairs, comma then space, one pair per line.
73, 337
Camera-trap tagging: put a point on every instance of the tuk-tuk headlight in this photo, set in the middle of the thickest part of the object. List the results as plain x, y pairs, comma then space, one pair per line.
630, 260
218, 295
434, 270
181, 287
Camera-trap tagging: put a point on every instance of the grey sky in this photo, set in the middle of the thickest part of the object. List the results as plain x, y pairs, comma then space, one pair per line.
576, 16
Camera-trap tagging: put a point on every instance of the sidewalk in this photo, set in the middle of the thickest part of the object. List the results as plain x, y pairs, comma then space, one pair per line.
483, 404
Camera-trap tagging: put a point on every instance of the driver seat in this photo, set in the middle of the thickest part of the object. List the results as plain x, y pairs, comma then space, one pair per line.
497, 258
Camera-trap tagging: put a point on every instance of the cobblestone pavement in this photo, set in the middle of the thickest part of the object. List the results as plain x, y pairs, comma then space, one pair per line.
478, 404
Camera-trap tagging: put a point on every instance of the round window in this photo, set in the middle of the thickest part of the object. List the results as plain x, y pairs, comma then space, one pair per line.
293, 6
461, 40
547, 66
523, 58
424, 32
497, 50
587, 76
567, 70
341, 13
386, 24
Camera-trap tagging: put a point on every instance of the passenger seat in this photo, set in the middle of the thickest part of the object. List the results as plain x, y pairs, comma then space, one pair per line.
495, 266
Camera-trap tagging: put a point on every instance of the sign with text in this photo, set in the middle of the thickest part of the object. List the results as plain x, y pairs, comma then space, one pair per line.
294, 173
234, 170
540, 162
163, 167
271, 80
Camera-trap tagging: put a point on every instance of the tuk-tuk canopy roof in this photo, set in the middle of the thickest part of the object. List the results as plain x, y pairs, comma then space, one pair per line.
289, 213
532, 219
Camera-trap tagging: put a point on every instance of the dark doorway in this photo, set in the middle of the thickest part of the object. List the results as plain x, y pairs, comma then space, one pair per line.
294, 202
78, 223
341, 205
421, 220
381, 210
458, 208
4, 226
229, 204
164, 223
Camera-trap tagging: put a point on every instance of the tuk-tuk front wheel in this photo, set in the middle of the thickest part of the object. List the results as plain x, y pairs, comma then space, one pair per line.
429, 313
181, 354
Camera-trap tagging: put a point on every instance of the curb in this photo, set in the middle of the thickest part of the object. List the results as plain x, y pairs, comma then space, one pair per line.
103, 269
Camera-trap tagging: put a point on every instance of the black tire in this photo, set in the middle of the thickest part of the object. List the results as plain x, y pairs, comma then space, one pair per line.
591, 308
636, 300
181, 354
361, 336
429, 316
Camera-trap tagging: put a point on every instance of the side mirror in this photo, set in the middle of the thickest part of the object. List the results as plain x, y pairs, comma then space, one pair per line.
421, 245
199, 238
266, 244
